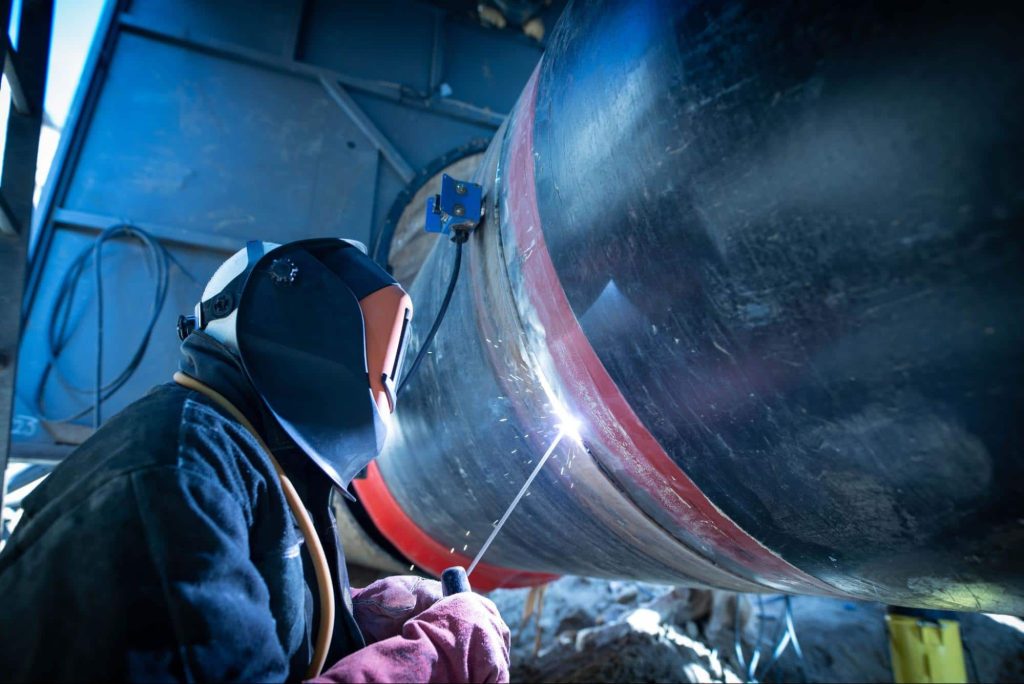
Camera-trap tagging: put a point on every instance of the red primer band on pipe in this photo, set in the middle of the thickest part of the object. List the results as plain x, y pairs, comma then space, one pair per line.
399, 529
619, 429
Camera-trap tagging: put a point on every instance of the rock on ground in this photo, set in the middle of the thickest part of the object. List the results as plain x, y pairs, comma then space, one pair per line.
590, 630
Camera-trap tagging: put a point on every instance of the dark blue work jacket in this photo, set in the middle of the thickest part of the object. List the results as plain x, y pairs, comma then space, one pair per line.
162, 548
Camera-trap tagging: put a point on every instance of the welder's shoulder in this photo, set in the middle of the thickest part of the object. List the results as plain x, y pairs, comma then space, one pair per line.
216, 445
200, 438
171, 429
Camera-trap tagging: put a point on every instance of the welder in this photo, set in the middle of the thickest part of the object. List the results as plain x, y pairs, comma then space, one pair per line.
191, 537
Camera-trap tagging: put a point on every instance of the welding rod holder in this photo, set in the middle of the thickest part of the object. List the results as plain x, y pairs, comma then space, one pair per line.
454, 581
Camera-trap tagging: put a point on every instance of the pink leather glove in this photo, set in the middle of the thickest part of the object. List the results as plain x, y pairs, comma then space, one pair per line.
461, 638
384, 606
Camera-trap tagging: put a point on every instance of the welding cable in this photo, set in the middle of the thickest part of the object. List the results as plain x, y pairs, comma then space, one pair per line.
325, 630
58, 335
460, 238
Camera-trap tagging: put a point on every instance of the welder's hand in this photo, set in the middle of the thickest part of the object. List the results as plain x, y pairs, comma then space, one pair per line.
461, 638
471, 638
383, 607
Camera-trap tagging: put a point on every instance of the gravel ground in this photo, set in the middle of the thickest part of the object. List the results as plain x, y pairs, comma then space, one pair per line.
611, 631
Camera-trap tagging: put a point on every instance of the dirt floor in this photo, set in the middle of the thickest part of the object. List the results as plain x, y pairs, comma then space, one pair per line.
613, 631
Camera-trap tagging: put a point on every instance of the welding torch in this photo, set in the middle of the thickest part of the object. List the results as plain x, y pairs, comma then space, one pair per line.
454, 580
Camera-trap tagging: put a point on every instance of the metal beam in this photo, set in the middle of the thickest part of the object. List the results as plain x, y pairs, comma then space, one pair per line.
369, 129
19, 171
18, 99
8, 225
40, 453
291, 47
168, 235
395, 92
68, 149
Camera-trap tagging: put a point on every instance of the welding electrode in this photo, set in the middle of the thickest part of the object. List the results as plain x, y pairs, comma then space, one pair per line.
454, 581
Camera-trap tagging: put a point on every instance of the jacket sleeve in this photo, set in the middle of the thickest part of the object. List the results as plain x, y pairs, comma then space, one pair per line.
461, 638
146, 577
213, 620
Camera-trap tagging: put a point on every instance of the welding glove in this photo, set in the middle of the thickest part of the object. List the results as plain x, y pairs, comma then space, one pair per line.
381, 608
460, 638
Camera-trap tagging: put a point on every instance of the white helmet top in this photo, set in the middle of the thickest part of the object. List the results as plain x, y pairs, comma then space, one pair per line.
223, 329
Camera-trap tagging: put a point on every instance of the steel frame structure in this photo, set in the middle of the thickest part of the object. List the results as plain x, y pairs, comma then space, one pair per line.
25, 72
377, 110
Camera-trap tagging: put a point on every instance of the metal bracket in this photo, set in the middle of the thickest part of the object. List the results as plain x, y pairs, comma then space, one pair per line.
458, 208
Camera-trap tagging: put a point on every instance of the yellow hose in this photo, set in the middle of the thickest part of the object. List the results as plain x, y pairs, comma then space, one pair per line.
316, 550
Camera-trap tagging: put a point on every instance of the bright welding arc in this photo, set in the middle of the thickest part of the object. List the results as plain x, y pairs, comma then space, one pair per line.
568, 424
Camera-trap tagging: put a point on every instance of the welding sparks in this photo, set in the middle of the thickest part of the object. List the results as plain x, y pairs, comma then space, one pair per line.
515, 501
568, 426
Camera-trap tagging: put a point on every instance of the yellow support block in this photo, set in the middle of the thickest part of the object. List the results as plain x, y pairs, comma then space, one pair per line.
925, 650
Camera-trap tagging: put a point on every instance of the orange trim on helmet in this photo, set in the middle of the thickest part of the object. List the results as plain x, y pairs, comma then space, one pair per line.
387, 314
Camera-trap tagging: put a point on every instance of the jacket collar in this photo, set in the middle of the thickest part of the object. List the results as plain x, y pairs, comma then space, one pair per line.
210, 362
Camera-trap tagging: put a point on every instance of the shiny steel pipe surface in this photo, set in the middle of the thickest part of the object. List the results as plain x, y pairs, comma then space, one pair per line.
770, 257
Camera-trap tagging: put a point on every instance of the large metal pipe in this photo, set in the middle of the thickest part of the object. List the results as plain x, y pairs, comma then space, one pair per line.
770, 256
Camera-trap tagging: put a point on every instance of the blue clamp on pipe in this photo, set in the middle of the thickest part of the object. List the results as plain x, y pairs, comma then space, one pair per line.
458, 207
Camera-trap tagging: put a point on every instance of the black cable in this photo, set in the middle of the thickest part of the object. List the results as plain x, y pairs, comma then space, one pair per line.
459, 238
158, 260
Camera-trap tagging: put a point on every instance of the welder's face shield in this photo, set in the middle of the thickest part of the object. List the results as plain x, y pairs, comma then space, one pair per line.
321, 333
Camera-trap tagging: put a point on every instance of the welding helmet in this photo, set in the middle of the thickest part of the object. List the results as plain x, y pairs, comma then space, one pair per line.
320, 330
